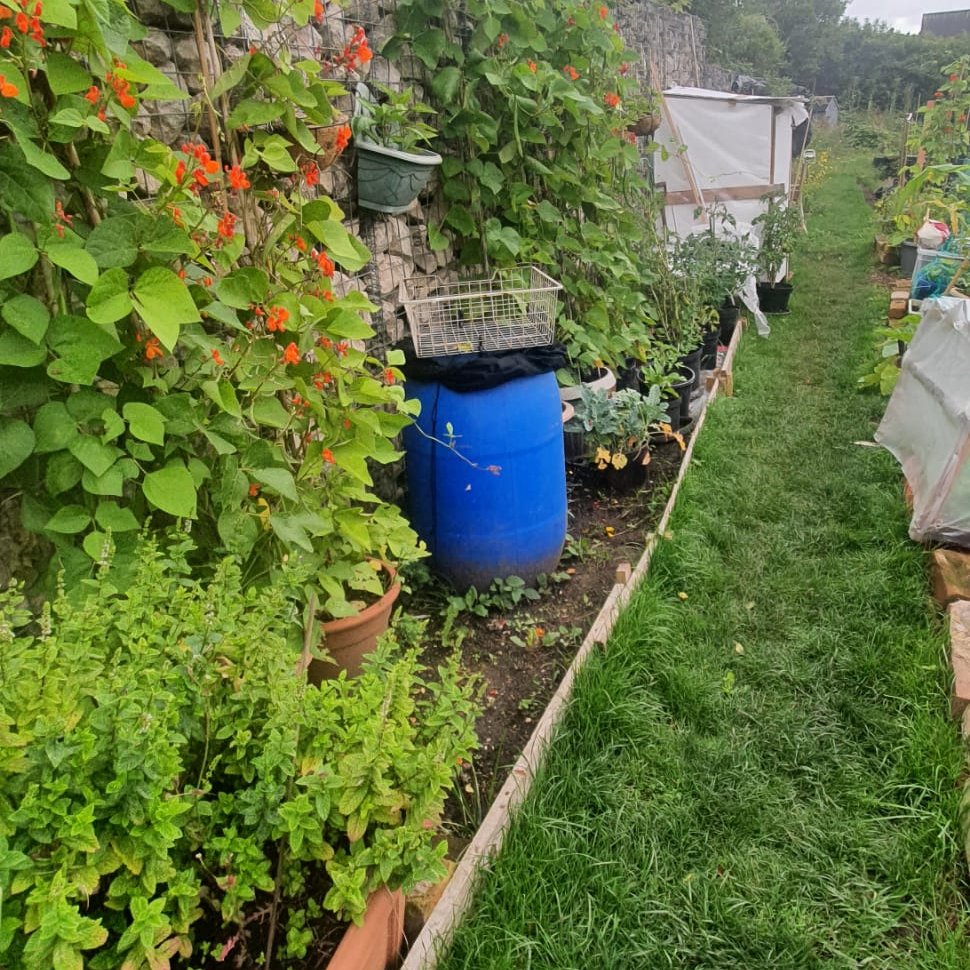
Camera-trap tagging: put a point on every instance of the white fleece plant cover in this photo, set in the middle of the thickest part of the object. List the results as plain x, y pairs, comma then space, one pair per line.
732, 141
927, 423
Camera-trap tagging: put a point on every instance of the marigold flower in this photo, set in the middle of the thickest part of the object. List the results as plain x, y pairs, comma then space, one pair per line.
217, 357
570, 72
327, 456
6, 37
237, 178
153, 349
8, 90
611, 99
291, 355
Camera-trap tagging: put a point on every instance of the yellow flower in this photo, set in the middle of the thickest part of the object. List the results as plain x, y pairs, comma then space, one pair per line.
618, 461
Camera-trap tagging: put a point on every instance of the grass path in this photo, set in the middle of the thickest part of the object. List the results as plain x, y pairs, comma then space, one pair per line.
763, 775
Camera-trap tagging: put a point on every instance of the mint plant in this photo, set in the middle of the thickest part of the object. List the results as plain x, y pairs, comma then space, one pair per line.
163, 759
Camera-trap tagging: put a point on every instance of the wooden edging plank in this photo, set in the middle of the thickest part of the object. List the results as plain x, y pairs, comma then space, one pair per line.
487, 841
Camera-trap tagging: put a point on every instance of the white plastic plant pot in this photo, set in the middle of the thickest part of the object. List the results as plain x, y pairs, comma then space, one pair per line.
927, 422
605, 381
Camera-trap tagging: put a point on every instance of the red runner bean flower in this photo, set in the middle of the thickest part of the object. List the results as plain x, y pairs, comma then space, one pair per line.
237, 178
570, 72
226, 225
292, 354
276, 319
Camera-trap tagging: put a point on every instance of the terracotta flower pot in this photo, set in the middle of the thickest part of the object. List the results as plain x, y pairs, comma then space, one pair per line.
645, 125
374, 945
327, 138
349, 639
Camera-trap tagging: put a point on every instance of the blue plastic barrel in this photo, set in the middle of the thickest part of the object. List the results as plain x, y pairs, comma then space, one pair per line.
489, 496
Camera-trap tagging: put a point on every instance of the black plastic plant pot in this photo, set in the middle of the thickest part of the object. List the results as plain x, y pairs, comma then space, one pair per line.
712, 340
774, 297
574, 445
628, 376
691, 362
907, 258
683, 387
633, 475
728, 315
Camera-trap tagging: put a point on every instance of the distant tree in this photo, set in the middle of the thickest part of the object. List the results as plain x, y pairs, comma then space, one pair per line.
811, 42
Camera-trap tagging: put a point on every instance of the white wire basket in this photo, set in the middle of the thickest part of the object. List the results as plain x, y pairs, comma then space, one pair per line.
512, 308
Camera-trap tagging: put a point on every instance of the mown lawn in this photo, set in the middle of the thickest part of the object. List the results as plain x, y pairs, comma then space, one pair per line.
763, 775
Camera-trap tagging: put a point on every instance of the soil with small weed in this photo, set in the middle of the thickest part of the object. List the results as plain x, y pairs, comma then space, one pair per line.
521, 653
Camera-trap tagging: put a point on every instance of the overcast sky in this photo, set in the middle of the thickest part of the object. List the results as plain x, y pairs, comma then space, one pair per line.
904, 15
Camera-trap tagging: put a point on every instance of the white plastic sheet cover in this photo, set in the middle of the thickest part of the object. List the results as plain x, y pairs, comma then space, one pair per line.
927, 423
732, 141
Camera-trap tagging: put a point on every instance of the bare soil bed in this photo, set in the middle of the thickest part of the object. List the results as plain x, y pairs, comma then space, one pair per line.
520, 654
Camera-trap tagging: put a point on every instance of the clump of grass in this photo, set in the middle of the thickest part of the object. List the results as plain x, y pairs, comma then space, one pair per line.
762, 775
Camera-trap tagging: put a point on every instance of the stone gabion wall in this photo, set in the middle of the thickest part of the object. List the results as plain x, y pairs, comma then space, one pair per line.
672, 44
398, 243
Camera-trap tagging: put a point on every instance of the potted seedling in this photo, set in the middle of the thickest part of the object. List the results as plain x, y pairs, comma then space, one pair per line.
393, 164
616, 432
777, 228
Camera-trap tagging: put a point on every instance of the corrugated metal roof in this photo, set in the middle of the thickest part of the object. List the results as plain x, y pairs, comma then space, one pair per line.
946, 23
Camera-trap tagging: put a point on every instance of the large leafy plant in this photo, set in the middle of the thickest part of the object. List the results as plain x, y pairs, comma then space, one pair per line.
777, 228
617, 427
165, 761
534, 100
184, 352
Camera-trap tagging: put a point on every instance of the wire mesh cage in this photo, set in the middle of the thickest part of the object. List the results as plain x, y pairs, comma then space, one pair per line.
514, 307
